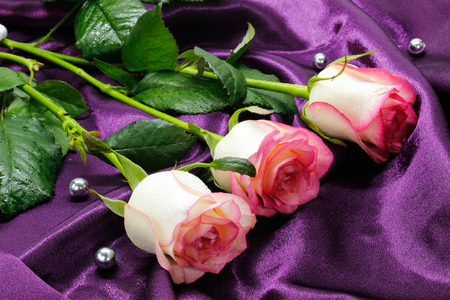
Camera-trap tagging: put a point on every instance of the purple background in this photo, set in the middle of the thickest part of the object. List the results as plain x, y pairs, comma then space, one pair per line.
374, 231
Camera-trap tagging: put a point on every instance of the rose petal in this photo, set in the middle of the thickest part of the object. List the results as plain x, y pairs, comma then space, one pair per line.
190, 183
179, 274
353, 93
139, 229
216, 263
333, 123
243, 140
384, 77
174, 201
375, 132
324, 154
262, 208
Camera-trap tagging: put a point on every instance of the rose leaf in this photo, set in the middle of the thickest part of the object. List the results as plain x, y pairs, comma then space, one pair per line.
65, 95
150, 45
275, 101
165, 90
234, 164
26, 107
116, 73
153, 144
102, 26
231, 78
10, 79
28, 165
240, 49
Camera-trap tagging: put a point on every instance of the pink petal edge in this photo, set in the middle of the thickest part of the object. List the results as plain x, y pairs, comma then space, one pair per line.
325, 116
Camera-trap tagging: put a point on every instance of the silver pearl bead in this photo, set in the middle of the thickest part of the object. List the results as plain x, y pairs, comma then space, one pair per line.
77, 187
416, 46
320, 61
105, 258
3, 32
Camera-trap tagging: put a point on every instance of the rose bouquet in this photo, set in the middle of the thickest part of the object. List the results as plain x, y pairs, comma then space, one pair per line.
264, 167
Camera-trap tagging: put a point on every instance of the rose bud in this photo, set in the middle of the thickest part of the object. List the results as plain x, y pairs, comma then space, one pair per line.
174, 215
368, 106
3, 32
289, 163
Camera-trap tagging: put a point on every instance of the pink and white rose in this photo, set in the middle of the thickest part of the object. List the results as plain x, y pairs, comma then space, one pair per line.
368, 106
174, 215
289, 163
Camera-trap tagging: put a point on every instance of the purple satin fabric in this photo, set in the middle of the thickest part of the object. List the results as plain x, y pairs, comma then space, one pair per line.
374, 231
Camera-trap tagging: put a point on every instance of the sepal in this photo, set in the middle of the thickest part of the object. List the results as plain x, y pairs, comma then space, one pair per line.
234, 119
116, 206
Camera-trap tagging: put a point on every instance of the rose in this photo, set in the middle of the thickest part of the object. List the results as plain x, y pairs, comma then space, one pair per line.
289, 162
368, 106
3, 32
191, 230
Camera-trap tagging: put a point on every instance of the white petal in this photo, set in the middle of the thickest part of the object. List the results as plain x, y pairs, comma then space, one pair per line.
243, 140
3, 32
139, 229
352, 93
165, 201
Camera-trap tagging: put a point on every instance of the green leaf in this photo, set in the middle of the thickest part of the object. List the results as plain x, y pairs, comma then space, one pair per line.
61, 93
116, 206
278, 102
29, 162
150, 46
231, 78
116, 73
240, 49
102, 26
193, 60
10, 79
134, 173
153, 144
235, 164
165, 90
25, 106
65, 95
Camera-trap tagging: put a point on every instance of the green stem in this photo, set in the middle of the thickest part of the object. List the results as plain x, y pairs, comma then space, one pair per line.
31, 64
286, 88
69, 58
49, 104
65, 118
194, 166
47, 37
17, 59
105, 88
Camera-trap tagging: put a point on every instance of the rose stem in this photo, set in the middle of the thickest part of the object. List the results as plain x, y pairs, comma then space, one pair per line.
65, 118
47, 37
286, 88
105, 88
